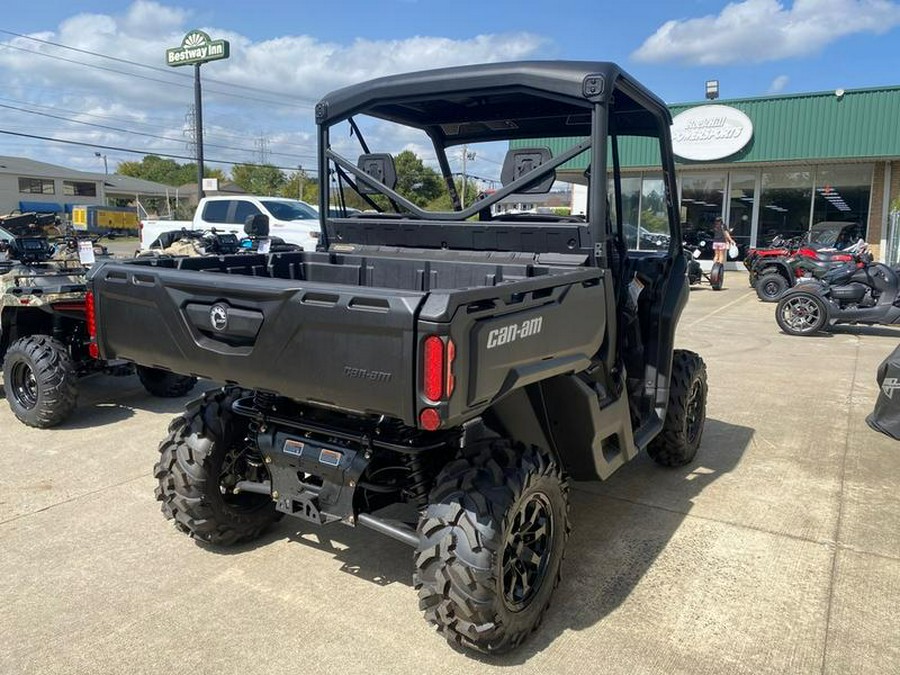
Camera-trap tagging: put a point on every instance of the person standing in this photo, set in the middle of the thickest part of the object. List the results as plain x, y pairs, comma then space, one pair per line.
721, 241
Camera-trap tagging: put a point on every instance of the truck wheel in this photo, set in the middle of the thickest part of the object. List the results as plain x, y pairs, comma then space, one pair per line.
491, 543
771, 285
164, 384
801, 313
677, 443
39, 380
204, 456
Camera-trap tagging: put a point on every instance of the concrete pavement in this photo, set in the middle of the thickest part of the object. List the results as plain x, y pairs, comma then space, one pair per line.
777, 551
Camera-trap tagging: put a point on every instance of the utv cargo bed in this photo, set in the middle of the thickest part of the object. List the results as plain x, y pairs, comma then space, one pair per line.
344, 331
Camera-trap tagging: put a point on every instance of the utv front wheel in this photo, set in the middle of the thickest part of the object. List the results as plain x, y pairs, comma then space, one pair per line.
39, 380
491, 543
164, 384
201, 461
677, 443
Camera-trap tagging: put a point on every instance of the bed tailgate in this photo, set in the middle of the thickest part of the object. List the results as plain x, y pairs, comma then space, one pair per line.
329, 344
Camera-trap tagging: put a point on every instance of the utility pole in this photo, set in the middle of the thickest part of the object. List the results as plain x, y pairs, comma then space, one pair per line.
262, 146
300, 182
466, 156
198, 135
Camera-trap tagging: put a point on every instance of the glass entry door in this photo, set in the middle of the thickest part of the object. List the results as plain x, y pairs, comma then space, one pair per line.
742, 193
702, 198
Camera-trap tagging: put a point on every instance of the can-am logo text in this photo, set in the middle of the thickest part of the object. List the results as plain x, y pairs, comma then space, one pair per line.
513, 332
890, 385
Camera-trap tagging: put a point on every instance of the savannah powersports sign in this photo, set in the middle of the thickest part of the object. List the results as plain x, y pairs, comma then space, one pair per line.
197, 47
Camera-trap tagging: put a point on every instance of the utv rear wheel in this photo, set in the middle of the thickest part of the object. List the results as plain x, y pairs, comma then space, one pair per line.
801, 313
39, 380
205, 455
677, 443
491, 544
771, 285
164, 384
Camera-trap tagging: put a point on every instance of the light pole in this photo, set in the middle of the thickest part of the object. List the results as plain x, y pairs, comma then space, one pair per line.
105, 165
300, 182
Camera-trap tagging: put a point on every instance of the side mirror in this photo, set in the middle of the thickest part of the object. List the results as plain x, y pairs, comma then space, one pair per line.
257, 225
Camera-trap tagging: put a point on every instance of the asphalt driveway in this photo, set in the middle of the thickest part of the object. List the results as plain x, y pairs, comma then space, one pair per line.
778, 551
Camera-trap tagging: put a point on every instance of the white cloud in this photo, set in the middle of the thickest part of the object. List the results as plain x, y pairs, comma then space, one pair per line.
287, 74
778, 84
765, 30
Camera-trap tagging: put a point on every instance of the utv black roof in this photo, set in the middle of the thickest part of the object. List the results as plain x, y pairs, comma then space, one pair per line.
524, 99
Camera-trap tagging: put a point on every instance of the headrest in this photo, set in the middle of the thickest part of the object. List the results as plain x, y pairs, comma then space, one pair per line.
522, 161
379, 166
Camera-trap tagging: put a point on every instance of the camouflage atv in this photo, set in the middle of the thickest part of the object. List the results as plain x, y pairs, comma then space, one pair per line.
45, 344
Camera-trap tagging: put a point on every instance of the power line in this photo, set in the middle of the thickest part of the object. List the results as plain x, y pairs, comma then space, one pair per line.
144, 134
154, 79
150, 67
207, 133
132, 150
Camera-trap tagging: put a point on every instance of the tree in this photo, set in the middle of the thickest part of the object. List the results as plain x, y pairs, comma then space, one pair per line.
258, 179
415, 181
443, 202
300, 180
166, 171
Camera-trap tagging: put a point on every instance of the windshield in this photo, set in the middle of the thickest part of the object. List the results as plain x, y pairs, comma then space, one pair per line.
292, 210
5, 236
836, 234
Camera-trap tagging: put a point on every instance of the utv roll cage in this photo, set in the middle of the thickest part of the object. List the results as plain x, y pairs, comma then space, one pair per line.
591, 103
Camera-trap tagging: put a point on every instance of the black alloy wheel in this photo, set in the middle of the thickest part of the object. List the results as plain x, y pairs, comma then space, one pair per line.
23, 385
801, 314
527, 551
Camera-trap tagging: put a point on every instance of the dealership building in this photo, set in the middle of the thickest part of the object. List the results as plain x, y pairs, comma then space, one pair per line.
773, 165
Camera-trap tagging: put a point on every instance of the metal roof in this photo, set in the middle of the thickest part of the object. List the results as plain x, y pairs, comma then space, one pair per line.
496, 101
114, 183
860, 124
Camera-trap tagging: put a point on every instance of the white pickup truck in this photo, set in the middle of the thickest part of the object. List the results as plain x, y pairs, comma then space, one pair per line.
293, 221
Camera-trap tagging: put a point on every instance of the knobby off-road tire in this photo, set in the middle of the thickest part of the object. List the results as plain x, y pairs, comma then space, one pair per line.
492, 541
771, 285
801, 313
200, 461
39, 380
677, 443
164, 384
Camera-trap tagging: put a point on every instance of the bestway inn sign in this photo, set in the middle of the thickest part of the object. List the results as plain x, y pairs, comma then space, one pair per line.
197, 47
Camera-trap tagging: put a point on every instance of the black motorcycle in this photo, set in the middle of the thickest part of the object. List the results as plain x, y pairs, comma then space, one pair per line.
865, 292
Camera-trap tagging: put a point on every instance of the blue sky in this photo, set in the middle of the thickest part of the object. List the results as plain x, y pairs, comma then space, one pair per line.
287, 54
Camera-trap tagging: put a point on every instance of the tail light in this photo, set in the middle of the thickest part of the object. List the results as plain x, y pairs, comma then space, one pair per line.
438, 381
91, 314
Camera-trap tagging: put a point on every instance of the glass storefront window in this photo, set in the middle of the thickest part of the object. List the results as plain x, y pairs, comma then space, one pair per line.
784, 203
842, 194
740, 208
701, 203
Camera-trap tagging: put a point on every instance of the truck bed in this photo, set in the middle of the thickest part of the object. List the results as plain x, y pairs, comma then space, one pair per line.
344, 330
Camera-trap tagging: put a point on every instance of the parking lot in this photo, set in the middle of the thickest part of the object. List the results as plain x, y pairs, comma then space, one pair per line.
777, 551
